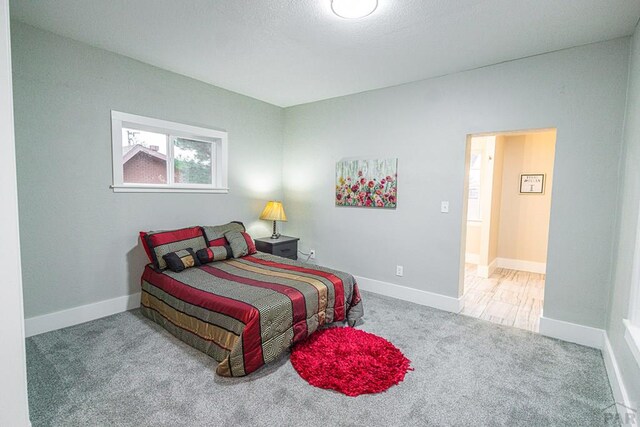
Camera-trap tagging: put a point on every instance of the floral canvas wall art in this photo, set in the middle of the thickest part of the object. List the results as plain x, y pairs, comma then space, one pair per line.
367, 183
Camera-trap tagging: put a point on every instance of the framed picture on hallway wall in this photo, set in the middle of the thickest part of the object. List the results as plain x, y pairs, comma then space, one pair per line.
532, 183
367, 183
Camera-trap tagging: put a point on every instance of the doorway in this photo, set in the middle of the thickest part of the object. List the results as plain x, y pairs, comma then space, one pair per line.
506, 228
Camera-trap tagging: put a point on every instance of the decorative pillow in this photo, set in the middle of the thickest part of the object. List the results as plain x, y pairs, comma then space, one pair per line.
215, 233
218, 242
241, 243
179, 260
214, 253
161, 243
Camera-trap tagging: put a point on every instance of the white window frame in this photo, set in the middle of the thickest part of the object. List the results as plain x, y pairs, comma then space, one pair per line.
632, 324
219, 164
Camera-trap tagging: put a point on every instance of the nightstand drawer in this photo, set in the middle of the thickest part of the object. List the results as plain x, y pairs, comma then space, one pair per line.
286, 250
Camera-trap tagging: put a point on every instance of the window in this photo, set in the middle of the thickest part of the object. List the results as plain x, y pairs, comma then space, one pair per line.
474, 207
152, 155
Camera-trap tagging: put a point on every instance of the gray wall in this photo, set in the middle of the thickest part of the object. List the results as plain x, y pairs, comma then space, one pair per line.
79, 239
627, 225
579, 91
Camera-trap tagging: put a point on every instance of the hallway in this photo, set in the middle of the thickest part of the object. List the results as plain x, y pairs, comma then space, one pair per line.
508, 297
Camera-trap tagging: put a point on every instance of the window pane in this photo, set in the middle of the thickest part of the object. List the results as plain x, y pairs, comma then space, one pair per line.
475, 174
144, 157
192, 161
476, 161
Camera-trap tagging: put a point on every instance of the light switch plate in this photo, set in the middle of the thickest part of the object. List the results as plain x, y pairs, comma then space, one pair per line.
444, 207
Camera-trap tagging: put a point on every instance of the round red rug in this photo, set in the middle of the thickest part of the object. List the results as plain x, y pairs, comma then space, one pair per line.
350, 361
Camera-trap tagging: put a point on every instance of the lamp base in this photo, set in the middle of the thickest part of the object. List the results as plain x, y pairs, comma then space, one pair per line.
275, 234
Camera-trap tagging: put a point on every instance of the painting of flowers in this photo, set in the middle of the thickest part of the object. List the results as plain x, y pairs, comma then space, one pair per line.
367, 183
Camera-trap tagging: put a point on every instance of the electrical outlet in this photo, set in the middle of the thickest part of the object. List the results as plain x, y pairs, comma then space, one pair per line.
399, 270
312, 253
444, 207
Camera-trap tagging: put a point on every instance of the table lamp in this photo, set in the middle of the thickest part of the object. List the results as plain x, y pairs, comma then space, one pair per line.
274, 212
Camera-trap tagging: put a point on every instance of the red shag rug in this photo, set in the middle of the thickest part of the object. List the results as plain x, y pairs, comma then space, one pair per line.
350, 361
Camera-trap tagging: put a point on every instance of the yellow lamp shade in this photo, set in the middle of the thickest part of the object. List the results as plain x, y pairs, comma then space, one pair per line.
273, 212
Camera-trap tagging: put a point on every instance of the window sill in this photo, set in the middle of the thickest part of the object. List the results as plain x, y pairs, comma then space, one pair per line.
632, 336
145, 189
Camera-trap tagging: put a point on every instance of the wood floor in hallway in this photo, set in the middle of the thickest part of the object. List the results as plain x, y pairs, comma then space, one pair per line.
508, 297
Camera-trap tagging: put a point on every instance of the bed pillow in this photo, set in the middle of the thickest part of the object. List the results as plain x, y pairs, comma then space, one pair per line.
215, 233
179, 260
214, 253
161, 243
241, 243
147, 250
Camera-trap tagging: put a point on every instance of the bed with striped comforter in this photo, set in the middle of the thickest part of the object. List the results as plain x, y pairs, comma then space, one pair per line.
246, 312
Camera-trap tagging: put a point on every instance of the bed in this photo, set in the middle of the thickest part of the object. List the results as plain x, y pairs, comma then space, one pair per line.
246, 312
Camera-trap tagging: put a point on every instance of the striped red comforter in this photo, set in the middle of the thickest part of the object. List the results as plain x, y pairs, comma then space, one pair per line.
246, 312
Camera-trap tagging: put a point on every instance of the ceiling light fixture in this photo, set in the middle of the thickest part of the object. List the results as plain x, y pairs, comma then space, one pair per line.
353, 9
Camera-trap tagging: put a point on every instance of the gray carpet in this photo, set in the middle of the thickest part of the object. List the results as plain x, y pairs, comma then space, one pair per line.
125, 370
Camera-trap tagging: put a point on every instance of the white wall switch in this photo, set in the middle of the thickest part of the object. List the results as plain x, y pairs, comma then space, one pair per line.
399, 270
444, 207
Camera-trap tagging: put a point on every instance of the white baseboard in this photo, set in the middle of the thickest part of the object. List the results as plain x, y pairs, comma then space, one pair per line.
620, 395
84, 313
471, 258
572, 332
417, 296
522, 265
485, 271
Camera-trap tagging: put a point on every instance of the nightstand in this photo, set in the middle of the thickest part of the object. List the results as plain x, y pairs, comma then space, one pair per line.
285, 246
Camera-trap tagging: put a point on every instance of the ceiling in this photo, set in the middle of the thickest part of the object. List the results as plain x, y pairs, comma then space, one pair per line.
289, 52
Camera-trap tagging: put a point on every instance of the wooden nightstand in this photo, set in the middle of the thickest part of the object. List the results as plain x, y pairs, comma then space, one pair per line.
285, 246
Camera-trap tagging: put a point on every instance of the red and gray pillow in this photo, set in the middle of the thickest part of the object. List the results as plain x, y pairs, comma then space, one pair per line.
215, 233
214, 253
157, 244
241, 243
180, 260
